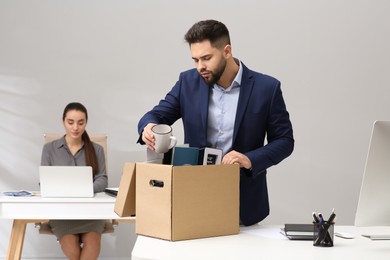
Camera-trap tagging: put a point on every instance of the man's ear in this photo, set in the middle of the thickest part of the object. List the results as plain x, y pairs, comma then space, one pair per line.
227, 51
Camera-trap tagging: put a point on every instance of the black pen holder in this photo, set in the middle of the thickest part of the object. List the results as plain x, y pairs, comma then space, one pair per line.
323, 234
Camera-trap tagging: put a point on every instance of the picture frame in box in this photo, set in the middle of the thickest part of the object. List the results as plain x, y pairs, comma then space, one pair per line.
210, 156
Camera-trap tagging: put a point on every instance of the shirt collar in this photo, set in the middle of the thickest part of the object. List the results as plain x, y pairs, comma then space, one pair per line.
61, 142
237, 79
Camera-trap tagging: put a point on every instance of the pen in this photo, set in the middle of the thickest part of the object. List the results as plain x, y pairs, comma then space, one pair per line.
316, 220
320, 218
332, 217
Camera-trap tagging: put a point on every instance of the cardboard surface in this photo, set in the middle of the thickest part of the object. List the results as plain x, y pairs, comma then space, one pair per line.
153, 203
125, 200
187, 202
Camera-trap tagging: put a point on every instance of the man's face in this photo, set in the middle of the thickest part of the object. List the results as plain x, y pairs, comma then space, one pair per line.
209, 61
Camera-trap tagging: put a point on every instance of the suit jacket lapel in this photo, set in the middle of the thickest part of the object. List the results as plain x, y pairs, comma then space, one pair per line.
243, 100
204, 109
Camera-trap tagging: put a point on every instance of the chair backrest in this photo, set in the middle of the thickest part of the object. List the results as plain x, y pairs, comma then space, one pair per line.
96, 138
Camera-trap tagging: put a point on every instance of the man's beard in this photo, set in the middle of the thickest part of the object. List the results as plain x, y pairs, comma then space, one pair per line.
215, 76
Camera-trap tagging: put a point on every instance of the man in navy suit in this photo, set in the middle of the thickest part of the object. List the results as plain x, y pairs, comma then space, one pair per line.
225, 105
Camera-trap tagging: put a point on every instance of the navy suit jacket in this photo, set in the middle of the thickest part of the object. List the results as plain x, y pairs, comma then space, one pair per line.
261, 113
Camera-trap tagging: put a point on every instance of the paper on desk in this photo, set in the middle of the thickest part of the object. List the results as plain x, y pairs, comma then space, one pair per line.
20, 193
376, 232
268, 232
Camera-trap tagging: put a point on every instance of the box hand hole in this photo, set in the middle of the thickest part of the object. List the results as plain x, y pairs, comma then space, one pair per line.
156, 183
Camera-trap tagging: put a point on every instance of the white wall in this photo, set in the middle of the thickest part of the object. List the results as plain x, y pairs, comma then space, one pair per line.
120, 57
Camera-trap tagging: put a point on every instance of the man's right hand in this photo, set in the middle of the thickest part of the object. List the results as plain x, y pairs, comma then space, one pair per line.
148, 137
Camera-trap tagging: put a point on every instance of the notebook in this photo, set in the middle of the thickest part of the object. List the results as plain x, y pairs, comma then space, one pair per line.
66, 181
112, 191
298, 231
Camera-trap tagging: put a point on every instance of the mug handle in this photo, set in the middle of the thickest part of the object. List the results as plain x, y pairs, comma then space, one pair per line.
173, 141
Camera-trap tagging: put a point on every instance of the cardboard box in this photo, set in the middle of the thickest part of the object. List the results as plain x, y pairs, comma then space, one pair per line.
187, 202
125, 199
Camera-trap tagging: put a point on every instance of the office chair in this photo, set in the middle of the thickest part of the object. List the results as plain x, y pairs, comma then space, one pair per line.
101, 139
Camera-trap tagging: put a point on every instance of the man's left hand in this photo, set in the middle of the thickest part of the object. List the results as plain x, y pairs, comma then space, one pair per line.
234, 157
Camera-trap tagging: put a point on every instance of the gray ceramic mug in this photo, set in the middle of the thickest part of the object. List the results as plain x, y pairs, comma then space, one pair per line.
164, 139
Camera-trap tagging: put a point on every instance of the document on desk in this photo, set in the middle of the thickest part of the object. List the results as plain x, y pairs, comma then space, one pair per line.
377, 236
20, 193
261, 231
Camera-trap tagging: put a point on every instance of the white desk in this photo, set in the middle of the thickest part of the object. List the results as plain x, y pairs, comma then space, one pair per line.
24, 210
264, 242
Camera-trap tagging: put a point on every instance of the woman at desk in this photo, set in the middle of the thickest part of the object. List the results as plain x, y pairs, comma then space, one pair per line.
76, 149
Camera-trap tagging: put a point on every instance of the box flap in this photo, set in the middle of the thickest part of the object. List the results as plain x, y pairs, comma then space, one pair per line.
125, 200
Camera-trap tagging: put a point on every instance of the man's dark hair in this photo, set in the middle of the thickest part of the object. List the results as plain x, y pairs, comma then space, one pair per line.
214, 31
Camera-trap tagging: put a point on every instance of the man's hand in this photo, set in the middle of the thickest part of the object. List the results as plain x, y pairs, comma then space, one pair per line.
148, 137
234, 157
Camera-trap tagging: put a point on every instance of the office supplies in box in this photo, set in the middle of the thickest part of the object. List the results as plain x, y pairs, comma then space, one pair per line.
187, 202
184, 155
210, 156
125, 199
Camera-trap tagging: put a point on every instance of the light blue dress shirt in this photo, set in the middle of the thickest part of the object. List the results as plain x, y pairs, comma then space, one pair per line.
222, 114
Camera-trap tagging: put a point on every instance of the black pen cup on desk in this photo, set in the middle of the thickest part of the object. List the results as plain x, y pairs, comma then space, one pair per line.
323, 234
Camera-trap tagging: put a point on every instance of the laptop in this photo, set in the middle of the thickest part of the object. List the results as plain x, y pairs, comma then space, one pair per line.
66, 181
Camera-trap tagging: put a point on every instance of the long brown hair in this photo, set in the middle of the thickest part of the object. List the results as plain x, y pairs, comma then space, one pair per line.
90, 154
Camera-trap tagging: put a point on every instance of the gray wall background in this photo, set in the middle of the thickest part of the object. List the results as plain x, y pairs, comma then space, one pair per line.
120, 57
